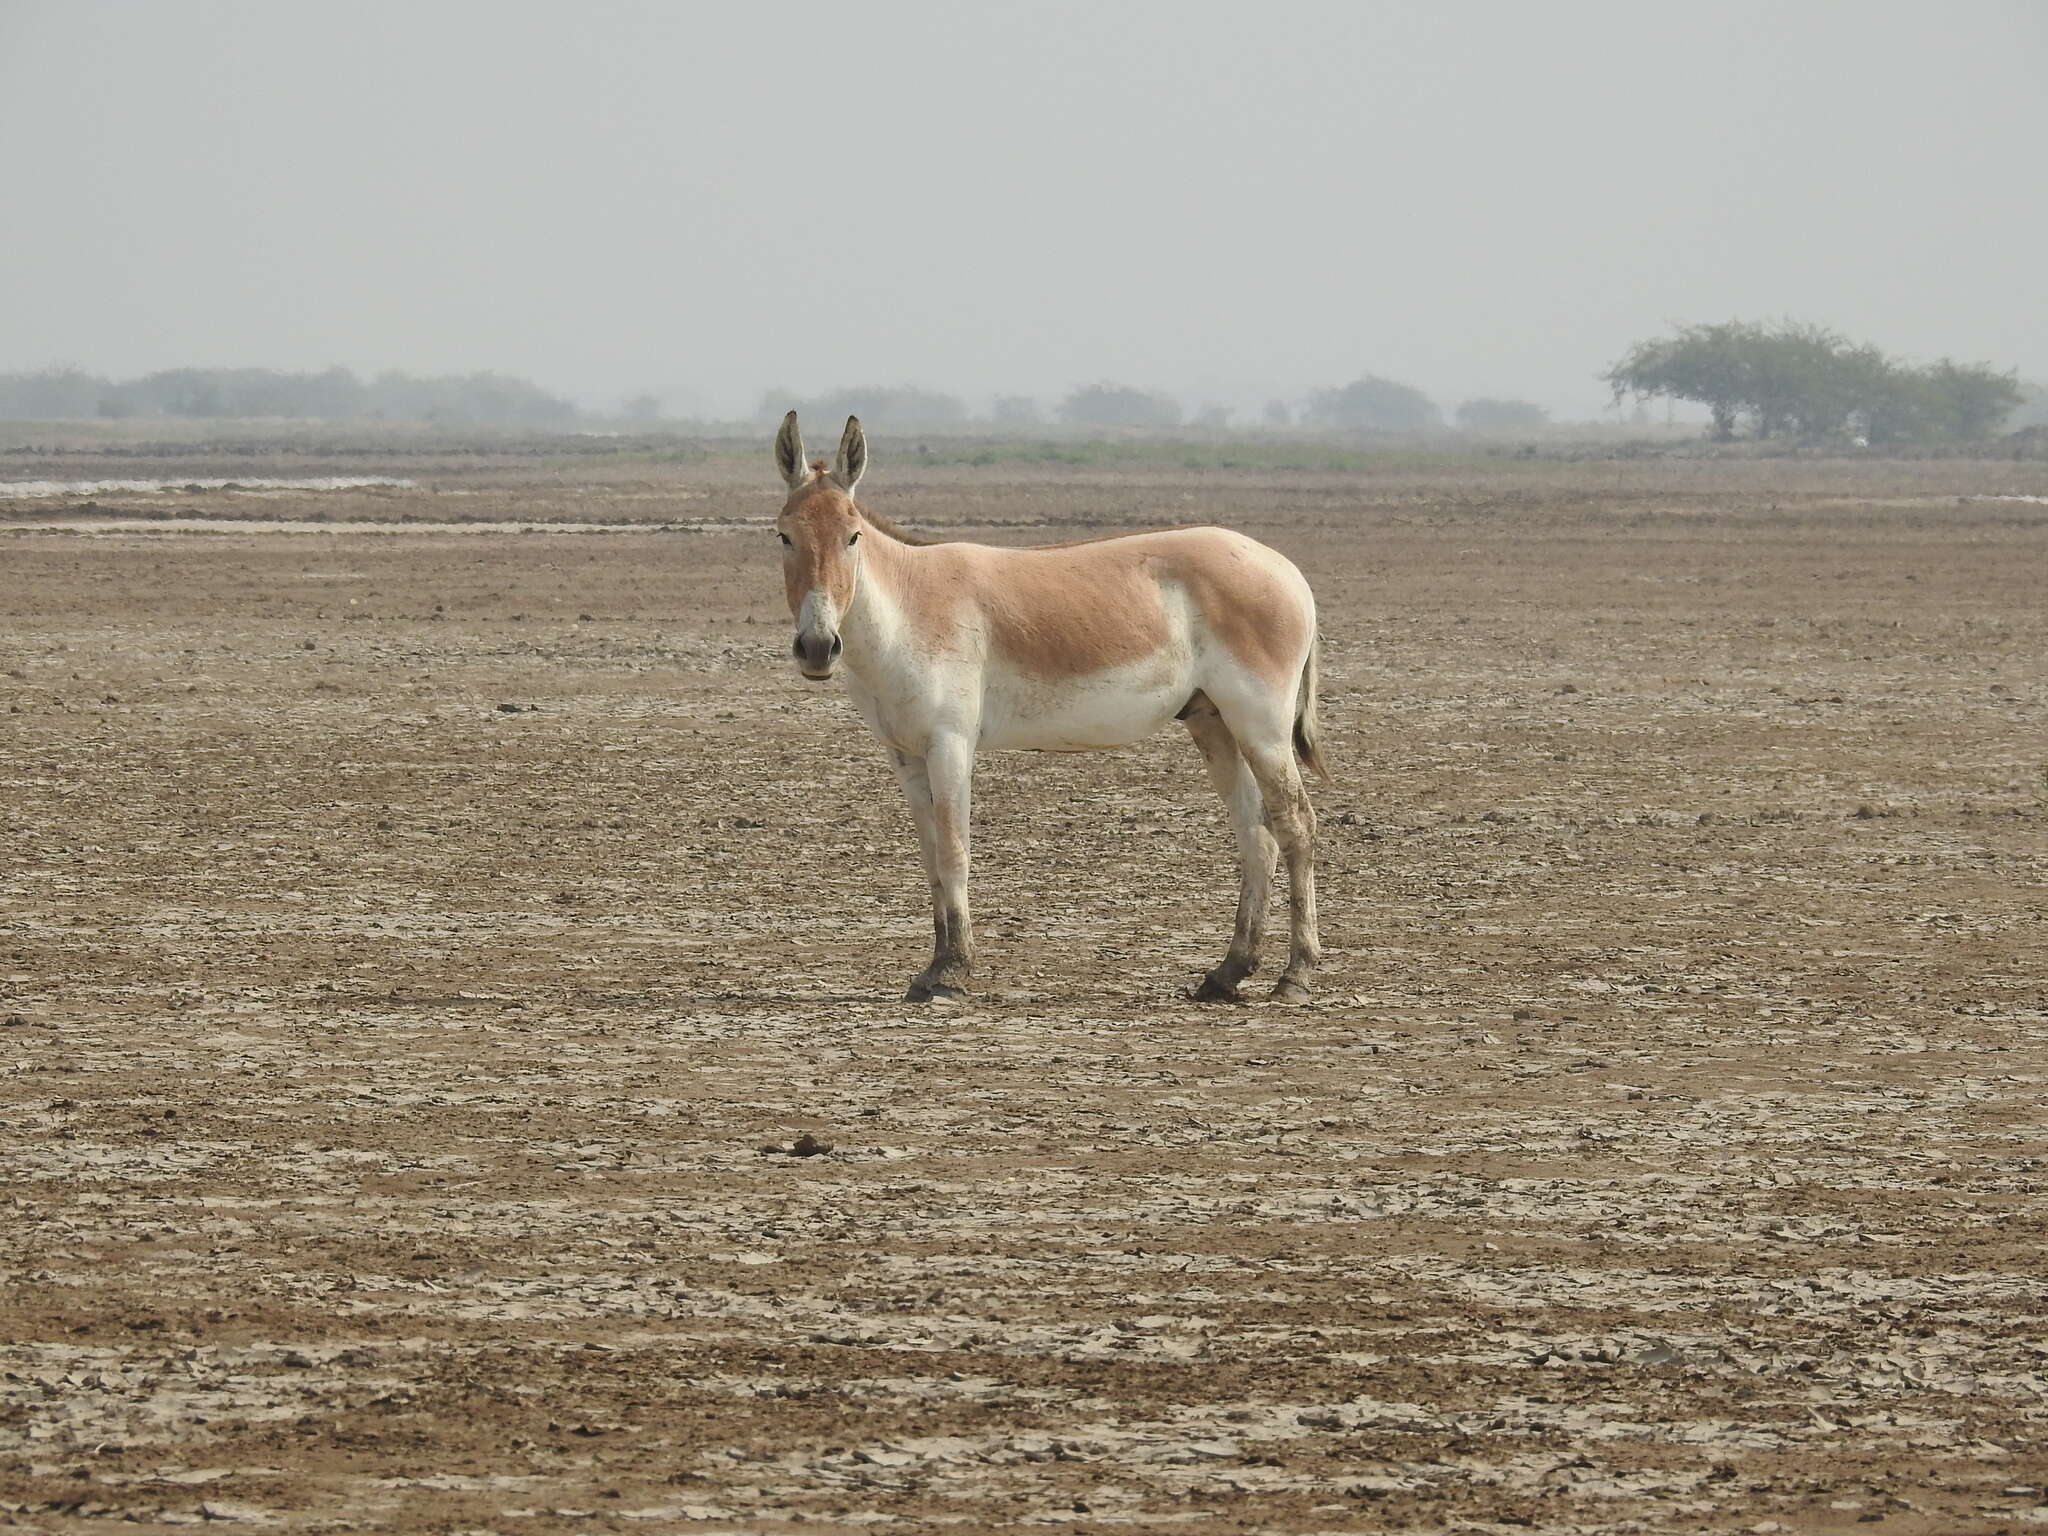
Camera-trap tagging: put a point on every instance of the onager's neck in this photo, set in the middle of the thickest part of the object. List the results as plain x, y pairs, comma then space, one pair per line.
872, 626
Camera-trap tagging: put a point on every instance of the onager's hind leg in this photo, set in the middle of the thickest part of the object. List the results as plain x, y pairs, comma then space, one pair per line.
939, 789
1257, 851
1293, 821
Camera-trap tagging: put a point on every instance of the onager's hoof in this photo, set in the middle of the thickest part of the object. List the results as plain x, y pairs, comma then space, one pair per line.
1216, 990
922, 991
1289, 990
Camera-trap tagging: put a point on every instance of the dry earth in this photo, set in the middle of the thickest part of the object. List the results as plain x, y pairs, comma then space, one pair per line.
421, 951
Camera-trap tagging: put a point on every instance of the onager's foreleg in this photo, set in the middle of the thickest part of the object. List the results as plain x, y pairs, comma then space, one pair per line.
939, 787
917, 793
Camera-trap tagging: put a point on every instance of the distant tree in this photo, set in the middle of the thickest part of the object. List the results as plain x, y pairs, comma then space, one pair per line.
1212, 418
1015, 411
1806, 380
335, 393
475, 399
1488, 415
1973, 400
1118, 405
59, 393
1896, 406
176, 392
644, 406
1947, 402
1709, 364
1825, 382
1373, 404
1279, 413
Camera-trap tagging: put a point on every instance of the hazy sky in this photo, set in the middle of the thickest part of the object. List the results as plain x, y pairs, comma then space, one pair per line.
1228, 201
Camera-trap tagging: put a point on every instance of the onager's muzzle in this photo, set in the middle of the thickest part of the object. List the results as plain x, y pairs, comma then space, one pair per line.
817, 652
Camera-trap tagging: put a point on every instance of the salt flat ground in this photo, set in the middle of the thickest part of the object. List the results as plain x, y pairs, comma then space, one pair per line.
396, 1086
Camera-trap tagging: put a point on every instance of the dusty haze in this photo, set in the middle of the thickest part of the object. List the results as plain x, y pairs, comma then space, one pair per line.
1227, 202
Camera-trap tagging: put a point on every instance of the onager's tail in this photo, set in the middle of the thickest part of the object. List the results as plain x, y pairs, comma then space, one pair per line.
1308, 743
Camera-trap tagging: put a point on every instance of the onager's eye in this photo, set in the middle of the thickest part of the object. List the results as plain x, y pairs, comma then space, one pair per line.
784, 537
853, 539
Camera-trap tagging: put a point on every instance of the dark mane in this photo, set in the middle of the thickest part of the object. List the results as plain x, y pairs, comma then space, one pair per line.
901, 535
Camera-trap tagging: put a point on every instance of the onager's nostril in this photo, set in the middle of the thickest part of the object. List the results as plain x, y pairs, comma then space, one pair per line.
796, 647
838, 645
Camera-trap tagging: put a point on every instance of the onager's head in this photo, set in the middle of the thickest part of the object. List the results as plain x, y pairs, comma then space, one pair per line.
820, 528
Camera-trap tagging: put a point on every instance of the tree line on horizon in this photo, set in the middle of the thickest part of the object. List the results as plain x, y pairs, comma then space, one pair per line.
1789, 380
1795, 380
472, 399
1367, 404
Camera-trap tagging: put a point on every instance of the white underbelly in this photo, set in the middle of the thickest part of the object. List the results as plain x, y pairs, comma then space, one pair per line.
1108, 709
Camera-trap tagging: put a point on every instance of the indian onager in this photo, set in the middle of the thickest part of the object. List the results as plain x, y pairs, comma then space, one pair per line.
950, 648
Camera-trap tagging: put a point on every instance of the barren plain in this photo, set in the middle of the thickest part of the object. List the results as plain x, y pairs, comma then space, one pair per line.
434, 917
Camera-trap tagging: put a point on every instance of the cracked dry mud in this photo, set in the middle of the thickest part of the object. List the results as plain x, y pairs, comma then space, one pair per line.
402, 1092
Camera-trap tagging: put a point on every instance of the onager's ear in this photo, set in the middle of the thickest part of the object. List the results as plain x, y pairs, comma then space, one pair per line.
789, 453
852, 462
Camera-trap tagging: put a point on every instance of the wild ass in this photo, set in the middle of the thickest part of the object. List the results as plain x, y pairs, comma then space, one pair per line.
953, 647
